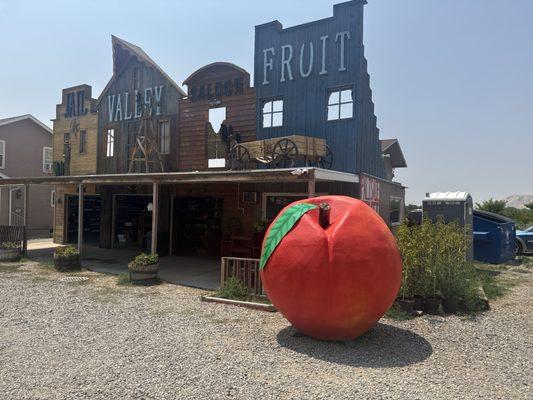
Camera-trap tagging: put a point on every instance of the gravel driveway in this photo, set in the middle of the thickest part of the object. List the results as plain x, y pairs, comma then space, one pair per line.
96, 340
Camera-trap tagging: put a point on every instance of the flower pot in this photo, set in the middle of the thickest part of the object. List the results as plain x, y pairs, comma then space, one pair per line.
406, 306
450, 305
144, 274
10, 254
418, 303
433, 305
67, 263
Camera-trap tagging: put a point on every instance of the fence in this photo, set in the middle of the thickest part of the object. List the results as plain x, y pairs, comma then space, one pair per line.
245, 269
11, 233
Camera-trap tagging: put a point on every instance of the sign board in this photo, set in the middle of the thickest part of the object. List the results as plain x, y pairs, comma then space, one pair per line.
370, 191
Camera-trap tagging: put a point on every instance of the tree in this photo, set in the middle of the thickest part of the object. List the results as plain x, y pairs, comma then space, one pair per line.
495, 206
529, 205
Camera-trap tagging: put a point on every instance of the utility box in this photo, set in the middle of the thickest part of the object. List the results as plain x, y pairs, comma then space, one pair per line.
494, 237
451, 207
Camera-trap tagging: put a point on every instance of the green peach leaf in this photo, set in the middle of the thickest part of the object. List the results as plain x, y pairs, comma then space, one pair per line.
281, 227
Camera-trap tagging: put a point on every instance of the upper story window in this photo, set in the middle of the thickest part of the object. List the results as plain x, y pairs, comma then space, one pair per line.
164, 137
2, 154
47, 159
110, 142
273, 113
83, 142
340, 104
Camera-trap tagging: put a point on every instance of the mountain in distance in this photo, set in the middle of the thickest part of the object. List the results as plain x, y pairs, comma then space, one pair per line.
518, 200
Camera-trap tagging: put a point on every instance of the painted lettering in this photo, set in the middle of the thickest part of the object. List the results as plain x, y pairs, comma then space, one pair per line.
342, 35
118, 109
158, 90
126, 104
267, 64
323, 39
110, 106
286, 62
311, 56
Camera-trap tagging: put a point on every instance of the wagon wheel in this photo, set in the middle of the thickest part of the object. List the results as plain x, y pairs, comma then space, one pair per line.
327, 161
239, 157
284, 153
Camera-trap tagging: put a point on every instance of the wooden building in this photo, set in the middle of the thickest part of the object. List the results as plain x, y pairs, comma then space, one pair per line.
151, 167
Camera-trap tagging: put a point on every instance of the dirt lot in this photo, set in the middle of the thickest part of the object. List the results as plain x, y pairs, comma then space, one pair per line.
97, 340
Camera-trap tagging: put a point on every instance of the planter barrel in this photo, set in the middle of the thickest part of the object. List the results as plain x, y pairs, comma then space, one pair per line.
10, 254
144, 274
67, 263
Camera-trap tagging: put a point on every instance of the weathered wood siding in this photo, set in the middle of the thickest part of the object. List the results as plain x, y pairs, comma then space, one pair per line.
133, 74
80, 163
354, 141
195, 135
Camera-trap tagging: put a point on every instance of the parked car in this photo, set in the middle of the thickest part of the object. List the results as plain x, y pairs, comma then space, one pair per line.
524, 241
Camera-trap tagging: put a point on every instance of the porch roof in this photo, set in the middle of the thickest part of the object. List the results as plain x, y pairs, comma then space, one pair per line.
251, 176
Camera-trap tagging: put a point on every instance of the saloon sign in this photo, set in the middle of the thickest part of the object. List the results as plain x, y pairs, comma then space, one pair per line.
370, 191
128, 105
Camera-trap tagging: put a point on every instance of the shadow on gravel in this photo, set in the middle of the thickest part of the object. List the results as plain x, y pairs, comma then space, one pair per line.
384, 346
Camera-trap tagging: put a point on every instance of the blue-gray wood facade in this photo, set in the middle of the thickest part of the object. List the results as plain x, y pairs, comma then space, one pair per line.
301, 65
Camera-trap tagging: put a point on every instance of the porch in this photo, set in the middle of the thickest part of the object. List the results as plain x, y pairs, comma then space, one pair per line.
198, 272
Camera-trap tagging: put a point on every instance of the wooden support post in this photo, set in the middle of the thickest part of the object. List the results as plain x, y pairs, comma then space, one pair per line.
80, 218
26, 210
155, 215
311, 187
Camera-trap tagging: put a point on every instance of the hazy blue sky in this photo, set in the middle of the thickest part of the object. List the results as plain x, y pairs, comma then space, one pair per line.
452, 79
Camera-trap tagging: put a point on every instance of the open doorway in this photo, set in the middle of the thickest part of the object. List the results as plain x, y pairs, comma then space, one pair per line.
132, 221
92, 207
196, 226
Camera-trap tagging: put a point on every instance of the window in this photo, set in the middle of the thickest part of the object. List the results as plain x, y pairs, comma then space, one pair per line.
395, 210
273, 113
2, 154
83, 142
216, 117
53, 198
110, 142
340, 104
164, 137
47, 160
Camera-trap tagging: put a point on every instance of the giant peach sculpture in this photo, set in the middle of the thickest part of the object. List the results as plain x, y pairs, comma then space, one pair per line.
331, 266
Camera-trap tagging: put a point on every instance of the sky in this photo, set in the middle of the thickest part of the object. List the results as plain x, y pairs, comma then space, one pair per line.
451, 79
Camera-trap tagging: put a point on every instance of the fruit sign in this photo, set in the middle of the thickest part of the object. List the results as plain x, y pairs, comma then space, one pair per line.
331, 266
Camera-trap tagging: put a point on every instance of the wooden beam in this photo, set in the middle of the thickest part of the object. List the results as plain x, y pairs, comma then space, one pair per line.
155, 215
80, 218
311, 192
26, 209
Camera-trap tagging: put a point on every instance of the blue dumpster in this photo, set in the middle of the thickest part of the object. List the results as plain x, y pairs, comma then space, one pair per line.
494, 237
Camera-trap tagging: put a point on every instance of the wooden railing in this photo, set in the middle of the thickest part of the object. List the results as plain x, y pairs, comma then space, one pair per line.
245, 269
11, 233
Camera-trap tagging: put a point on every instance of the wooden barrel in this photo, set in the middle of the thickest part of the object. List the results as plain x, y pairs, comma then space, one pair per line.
67, 263
9, 254
145, 274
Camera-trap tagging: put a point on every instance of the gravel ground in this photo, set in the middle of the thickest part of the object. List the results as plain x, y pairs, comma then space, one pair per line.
96, 340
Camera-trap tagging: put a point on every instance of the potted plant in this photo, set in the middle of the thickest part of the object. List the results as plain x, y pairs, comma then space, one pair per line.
66, 258
9, 251
143, 268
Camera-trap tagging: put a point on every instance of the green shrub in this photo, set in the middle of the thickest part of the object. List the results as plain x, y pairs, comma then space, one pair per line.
66, 251
9, 245
123, 279
233, 289
434, 260
143, 260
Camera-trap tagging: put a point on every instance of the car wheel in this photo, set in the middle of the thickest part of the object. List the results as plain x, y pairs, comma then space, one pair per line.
518, 247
